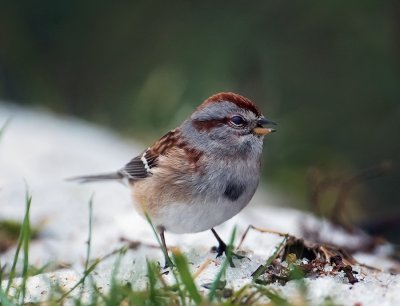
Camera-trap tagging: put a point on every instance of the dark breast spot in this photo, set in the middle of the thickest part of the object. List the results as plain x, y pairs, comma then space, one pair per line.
233, 191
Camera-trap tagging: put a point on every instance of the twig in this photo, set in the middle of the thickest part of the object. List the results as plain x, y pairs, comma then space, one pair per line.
347, 269
261, 230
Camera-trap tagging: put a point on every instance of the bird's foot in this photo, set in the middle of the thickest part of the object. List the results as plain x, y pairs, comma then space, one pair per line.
224, 249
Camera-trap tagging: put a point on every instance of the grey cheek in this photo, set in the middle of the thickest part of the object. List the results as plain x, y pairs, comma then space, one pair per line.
233, 191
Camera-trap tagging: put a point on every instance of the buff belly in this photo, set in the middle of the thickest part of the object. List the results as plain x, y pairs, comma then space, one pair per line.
192, 217
217, 198
196, 217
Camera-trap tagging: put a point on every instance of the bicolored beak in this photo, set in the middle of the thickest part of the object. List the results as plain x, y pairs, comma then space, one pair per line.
260, 130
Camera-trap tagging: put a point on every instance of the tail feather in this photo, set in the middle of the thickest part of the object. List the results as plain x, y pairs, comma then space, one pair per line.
97, 178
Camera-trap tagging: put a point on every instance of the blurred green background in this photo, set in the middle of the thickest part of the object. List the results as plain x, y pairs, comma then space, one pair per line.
327, 71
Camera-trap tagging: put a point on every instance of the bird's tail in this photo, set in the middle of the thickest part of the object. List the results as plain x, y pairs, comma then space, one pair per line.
97, 177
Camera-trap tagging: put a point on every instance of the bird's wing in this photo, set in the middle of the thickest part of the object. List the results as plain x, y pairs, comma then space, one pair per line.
140, 167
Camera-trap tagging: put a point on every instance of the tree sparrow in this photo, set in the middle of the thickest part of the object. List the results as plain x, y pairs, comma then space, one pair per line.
201, 173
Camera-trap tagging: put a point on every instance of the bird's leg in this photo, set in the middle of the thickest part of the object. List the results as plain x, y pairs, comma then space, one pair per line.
168, 261
221, 244
223, 248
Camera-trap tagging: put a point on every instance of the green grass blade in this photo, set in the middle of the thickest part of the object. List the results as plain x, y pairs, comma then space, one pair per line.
19, 245
152, 276
82, 280
183, 301
156, 235
1, 273
88, 268
275, 298
26, 240
214, 286
113, 295
269, 260
89, 241
4, 301
186, 277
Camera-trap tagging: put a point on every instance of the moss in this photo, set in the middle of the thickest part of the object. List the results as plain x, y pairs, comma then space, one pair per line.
9, 233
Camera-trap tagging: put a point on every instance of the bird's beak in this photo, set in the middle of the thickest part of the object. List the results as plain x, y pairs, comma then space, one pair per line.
260, 130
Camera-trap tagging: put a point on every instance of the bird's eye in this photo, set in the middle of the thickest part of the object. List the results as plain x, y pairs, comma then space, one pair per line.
238, 120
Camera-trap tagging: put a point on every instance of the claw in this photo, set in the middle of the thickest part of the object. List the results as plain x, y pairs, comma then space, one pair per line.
223, 249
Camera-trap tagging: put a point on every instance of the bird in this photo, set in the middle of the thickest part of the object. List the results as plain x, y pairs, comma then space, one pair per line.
201, 173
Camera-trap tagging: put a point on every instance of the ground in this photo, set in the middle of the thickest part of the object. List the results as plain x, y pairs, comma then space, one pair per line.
39, 150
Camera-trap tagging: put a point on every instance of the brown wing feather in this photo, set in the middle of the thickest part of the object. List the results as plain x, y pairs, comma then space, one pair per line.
140, 166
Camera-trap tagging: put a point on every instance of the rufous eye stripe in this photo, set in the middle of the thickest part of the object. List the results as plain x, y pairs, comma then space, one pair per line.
206, 125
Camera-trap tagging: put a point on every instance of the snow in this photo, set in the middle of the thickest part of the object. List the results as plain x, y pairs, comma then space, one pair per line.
39, 150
